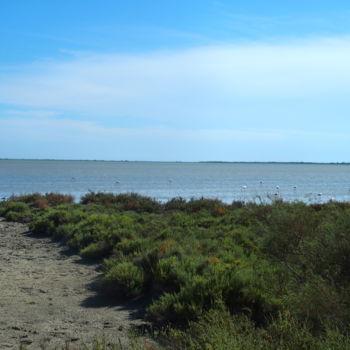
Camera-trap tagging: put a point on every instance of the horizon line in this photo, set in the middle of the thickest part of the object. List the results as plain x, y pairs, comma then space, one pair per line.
176, 161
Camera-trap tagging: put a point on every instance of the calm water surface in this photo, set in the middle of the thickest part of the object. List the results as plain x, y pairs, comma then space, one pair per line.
226, 181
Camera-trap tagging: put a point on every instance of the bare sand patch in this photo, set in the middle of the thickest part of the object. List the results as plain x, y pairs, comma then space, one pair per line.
46, 297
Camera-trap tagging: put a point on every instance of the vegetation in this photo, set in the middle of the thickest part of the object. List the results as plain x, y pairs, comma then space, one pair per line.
239, 276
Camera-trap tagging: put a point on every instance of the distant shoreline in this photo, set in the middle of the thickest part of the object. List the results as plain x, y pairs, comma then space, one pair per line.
176, 161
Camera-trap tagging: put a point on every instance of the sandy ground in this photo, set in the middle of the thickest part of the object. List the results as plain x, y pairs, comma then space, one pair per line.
47, 298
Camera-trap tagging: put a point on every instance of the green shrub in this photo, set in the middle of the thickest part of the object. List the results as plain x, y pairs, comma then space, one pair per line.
26, 198
240, 289
218, 330
246, 276
138, 203
96, 250
125, 279
210, 205
43, 201
123, 201
55, 199
15, 211
131, 247
49, 221
94, 228
63, 232
177, 203
105, 199
170, 273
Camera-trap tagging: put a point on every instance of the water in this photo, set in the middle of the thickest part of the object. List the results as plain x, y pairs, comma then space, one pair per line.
161, 180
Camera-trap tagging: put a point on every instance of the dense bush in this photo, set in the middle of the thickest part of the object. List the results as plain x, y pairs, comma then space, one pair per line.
125, 279
43, 201
127, 201
15, 211
96, 250
55, 222
279, 272
219, 330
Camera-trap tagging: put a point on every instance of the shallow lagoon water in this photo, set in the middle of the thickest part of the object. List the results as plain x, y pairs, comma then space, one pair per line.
165, 180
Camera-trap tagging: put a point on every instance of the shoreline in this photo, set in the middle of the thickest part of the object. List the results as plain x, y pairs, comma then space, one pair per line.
178, 161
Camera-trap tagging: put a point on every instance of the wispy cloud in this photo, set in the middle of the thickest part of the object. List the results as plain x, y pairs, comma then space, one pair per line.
188, 83
255, 98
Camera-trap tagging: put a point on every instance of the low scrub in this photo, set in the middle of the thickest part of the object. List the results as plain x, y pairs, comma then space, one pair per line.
127, 201
15, 211
124, 279
43, 201
278, 274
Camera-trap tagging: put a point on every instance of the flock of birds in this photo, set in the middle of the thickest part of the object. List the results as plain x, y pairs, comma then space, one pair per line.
277, 193
244, 189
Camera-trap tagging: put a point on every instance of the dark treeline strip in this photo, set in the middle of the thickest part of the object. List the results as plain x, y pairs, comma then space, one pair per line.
238, 276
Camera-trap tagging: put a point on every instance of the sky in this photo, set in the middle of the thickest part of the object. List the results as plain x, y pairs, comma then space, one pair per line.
194, 80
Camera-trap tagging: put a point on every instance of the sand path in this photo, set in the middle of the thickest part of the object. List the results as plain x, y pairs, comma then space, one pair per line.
46, 297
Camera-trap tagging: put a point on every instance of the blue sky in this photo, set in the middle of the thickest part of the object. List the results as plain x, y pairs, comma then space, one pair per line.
175, 80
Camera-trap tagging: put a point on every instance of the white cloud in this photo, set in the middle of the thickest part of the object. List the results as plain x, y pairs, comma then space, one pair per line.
207, 82
248, 101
